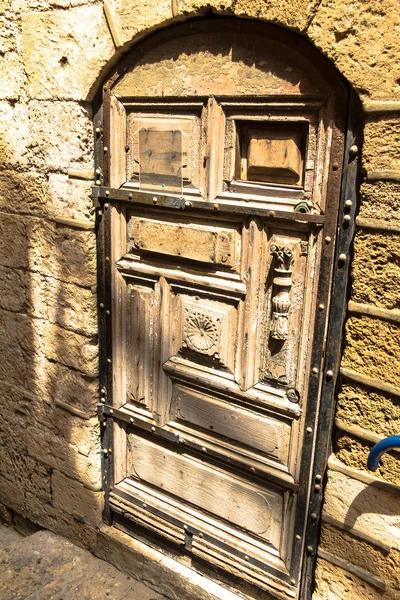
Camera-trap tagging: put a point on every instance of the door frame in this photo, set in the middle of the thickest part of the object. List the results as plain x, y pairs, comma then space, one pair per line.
324, 381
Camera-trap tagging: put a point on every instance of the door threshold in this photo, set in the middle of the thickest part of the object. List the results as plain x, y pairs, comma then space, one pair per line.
160, 572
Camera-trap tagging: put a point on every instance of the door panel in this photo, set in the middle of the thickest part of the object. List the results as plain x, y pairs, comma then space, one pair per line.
248, 430
222, 220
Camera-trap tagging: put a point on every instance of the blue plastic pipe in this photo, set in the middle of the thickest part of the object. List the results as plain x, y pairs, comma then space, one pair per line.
387, 444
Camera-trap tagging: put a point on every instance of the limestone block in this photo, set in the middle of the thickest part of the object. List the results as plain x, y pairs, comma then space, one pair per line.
66, 347
5, 6
59, 522
55, 452
71, 198
25, 475
38, 479
66, 304
8, 34
11, 495
12, 76
369, 508
55, 382
133, 16
294, 14
23, 192
376, 269
14, 289
354, 453
13, 467
19, 412
372, 348
65, 51
83, 433
64, 135
368, 557
381, 147
13, 241
14, 134
218, 6
334, 583
28, 407
361, 38
66, 254
16, 359
73, 498
25, 5
380, 200
374, 411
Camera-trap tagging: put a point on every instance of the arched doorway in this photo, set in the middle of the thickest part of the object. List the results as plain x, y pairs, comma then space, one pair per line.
221, 148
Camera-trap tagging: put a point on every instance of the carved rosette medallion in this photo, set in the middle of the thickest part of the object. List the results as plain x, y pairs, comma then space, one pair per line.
200, 333
284, 257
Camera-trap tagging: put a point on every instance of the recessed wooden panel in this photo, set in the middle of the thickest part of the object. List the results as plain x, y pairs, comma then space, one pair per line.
271, 152
142, 316
162, 151
213, 245
284, 306
249, 506
161, 160
268, 435
207, 329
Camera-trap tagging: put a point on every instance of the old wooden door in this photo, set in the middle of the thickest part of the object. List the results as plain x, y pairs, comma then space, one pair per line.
221, 147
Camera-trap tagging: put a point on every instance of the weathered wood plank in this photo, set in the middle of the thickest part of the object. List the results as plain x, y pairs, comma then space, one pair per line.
248, 506
269, 436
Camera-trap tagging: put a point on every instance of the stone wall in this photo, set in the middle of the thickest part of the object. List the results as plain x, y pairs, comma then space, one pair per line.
53, 56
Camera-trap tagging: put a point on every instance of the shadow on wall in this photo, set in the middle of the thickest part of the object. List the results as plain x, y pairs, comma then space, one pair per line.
50, 443
370, 508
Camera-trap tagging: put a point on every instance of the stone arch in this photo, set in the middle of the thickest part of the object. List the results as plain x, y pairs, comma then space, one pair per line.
358, 42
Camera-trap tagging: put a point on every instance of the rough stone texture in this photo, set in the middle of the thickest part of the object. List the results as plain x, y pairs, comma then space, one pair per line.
361, 38
134, 16
70, 306
14, 289
13, 242
381, 147
16, 349
65, 51
71, 496
186, 7
373, 411
294, 14
61, 252
380, 200
376, 269
12, 75
70, 198
64, 135
67, 348
354, 453
71, 460
47, 567
14, 135
333, 583
365, 506
372, 348
23, 192
368, 557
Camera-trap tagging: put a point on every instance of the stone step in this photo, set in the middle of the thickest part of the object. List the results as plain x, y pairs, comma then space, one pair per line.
45, 566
